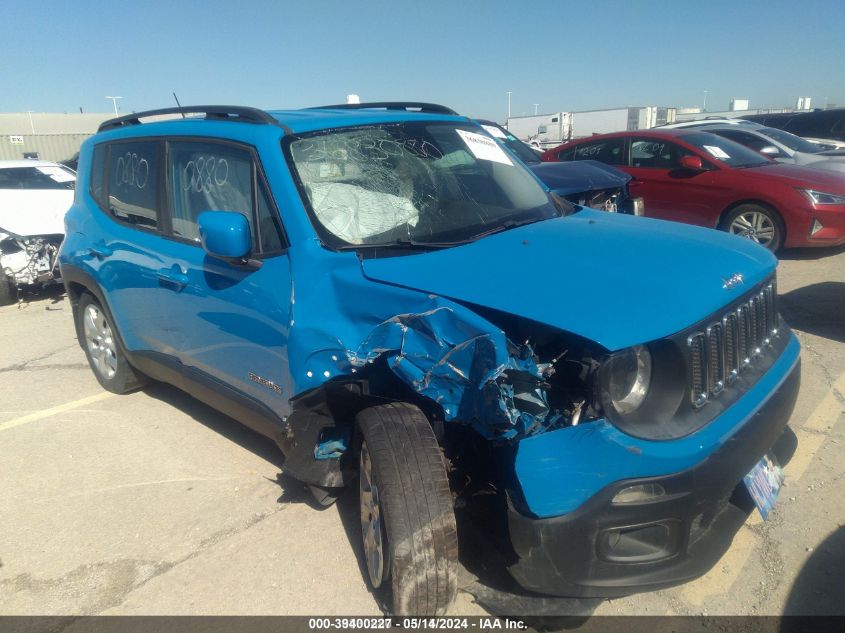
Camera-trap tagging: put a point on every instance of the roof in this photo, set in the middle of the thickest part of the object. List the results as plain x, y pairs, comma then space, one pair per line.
292, 121
311, 120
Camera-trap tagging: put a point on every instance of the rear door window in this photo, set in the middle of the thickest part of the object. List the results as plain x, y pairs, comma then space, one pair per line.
610, 151
133, 183
209, 176
751, 141
656, 153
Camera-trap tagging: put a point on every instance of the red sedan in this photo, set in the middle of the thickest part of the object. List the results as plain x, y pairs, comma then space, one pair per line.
692, 176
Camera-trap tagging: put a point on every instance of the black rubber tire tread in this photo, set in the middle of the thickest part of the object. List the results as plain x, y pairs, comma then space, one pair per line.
417, 507
777, 220
126, 378
8, 290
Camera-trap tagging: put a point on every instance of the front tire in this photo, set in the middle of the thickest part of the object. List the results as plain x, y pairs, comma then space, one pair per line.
407, 517
756, 222
103, 349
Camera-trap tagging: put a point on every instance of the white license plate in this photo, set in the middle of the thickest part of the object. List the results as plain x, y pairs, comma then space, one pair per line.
764, 483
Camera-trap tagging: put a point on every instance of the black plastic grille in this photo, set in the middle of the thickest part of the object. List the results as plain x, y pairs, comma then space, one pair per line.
718, 355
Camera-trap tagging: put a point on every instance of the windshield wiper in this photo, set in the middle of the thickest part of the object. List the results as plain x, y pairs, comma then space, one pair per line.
411, 243
401, 243
503, 226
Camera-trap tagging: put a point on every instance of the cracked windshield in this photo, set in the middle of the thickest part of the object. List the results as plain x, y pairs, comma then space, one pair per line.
414, 183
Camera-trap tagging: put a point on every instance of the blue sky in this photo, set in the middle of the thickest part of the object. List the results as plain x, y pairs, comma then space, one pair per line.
564, 55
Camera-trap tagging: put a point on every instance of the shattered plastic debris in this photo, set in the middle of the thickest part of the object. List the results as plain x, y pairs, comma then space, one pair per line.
465, 364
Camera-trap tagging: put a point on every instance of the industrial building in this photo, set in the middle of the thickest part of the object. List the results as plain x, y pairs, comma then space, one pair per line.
54, 136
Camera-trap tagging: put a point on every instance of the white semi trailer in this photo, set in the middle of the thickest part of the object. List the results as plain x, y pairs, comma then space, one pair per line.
548, 130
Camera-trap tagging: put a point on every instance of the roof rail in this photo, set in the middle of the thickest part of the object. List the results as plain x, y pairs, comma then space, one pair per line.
407, 106
219, 113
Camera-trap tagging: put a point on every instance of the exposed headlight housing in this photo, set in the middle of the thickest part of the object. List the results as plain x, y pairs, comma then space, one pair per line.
820, 198
629, 378
641, 388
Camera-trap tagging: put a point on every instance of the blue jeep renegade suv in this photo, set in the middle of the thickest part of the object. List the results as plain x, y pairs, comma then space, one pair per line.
399, 303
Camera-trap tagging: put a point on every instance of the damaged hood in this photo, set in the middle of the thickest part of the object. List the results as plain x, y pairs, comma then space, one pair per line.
615, 279
566, 178
27, 212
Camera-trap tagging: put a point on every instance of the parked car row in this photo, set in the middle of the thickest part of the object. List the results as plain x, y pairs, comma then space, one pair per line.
394, 298
826, 127
778, 145
587, 183
698, 176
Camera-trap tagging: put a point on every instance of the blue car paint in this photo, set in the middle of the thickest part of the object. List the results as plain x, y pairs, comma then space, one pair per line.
351, 310
543, 272
561, 469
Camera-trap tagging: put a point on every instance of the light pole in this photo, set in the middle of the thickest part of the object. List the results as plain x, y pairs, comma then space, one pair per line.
536, 105
114, 103
509, 104
31, 124
704, 109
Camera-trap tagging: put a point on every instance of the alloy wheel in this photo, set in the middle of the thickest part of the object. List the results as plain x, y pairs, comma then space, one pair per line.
755, 225
372, 528
100, 341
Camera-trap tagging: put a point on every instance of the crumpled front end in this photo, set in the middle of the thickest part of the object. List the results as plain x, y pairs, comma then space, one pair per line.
30, 260
467, 366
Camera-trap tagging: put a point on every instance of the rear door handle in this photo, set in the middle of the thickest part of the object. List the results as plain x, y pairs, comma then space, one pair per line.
100, 251
173, 277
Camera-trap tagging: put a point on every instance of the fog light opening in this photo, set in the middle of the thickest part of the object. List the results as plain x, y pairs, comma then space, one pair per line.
817, 226
641, 493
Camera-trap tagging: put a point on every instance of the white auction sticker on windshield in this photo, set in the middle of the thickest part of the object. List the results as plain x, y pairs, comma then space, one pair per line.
484, 147
494, 131
57, 173
718, 152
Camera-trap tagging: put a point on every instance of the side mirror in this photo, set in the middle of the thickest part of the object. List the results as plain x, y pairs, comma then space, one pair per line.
225, 234
770, 150
692, 163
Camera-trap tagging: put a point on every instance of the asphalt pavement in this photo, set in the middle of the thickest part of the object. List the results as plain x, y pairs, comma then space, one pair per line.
154, 503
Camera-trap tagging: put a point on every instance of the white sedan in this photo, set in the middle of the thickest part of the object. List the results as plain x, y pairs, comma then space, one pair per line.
34, 196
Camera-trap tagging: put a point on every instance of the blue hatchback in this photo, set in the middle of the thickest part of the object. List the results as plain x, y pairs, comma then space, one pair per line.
397, 301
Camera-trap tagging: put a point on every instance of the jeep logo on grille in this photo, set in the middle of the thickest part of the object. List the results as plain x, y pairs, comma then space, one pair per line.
733, 281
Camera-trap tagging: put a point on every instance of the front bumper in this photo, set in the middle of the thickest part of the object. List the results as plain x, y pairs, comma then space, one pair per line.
832, 232
606, 550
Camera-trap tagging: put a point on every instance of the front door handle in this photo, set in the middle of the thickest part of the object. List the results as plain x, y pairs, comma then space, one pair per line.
100, 251
173, 277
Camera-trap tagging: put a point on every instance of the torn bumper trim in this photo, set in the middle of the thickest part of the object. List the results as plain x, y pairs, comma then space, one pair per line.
607, 550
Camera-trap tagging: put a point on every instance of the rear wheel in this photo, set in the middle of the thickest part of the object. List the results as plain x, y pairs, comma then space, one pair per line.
103, 349
756, 222
407, 520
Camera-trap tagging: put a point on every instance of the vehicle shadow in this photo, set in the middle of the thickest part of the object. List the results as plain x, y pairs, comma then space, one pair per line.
816, 309
218, 422
810, 253
49, 296
482, 572
292, 491
817, 589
